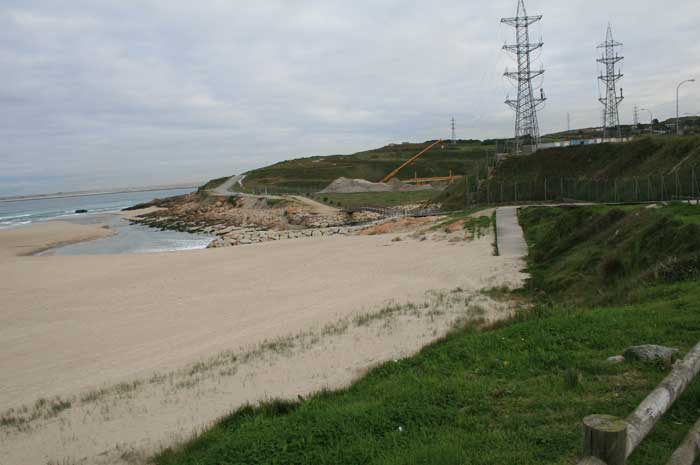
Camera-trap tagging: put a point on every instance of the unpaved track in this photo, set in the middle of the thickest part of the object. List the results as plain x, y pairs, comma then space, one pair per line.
230, 182
315, 207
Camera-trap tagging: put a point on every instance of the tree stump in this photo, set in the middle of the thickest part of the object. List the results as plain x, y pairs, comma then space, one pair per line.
605, 437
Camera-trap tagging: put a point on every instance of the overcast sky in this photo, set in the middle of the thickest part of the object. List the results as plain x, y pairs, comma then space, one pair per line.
102, 93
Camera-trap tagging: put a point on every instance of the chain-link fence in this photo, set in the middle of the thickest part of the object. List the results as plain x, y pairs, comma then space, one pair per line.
679, 185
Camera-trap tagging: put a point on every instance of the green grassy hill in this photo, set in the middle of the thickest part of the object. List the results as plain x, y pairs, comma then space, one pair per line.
315, 173
516, 393
592, 172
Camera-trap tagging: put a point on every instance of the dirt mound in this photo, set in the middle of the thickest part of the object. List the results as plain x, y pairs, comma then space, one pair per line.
398, 226
347, 186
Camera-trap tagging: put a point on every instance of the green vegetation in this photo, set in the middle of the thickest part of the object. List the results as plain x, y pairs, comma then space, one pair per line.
645, 169
515, 393
315, 173
614, 251
377, 199
213, 184
639, 158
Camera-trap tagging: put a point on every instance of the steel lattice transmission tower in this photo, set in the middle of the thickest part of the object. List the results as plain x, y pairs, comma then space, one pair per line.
454, 135
526, 126
609, 76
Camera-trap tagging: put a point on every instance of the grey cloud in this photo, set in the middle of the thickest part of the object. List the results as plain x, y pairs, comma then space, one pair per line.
157, 91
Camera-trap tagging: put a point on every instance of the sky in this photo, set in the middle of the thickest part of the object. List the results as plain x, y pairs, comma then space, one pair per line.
114, 93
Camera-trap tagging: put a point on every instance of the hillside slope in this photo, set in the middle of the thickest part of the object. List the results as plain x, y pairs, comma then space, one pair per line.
315, 173
644, 169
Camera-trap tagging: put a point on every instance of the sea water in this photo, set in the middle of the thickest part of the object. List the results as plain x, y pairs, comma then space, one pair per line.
102, 210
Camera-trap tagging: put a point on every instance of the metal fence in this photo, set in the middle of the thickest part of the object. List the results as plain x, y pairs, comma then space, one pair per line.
680, 185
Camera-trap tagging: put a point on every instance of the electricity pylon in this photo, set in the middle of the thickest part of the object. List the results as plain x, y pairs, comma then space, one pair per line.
609, 76
526, 105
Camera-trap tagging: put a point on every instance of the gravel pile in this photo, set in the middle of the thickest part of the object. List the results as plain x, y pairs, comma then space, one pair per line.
347, 186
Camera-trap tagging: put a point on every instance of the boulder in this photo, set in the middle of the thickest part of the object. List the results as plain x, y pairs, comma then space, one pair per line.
616, 359
651, 353
216, 243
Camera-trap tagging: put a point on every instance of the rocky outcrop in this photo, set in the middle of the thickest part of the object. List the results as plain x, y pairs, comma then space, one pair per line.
245, 236
651, 353
248, 219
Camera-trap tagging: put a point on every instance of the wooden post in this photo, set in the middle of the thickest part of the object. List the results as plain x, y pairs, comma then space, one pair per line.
689, 448
545, 189
642, 420
605, 437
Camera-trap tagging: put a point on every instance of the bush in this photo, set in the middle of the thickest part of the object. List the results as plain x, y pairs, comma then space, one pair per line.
611, 268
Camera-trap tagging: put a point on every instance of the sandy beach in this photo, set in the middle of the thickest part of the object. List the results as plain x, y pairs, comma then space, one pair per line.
147, 348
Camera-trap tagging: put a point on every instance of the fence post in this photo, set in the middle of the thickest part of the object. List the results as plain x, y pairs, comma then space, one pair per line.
561, 187
501, 192
663, 187
545, 189
516, 191
605, 437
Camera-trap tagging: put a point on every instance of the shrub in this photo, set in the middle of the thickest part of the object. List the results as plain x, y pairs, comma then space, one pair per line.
611, 267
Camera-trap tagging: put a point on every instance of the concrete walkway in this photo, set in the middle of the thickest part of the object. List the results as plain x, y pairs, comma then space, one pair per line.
511, 242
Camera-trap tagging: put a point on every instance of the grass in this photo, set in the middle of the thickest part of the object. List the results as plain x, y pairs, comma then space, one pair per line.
213, 184
605, 172
377, 199
603, 254
495, 397
454, 305
42, 409
310, 174
513, 394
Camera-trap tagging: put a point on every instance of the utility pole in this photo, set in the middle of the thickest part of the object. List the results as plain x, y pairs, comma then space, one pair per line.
678, 127
568, 122
526, 105
609, 77
635, 121
454, 137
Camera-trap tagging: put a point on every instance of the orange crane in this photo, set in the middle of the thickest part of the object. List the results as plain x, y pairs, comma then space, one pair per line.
409, 161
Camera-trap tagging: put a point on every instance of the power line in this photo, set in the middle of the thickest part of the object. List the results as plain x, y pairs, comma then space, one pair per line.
526, 105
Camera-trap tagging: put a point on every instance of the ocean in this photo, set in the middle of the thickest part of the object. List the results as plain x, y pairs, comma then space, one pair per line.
101, 208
